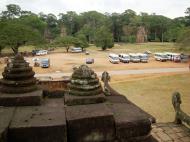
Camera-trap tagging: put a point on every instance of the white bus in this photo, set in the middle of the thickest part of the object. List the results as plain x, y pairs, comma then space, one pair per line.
125, 58
160, 57
143, 57
114, 58
134, 58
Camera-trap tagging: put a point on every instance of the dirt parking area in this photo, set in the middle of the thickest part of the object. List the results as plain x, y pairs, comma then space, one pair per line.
64, 62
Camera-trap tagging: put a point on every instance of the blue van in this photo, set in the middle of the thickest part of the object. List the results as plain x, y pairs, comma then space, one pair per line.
45, 63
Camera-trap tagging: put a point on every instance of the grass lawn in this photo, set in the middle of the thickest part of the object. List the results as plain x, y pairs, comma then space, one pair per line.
120, 47
153, 93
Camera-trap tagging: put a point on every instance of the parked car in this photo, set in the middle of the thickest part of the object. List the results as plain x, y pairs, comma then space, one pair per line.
34, 52
134, 58
114, 58
184, 58
76, 50
36, 62
160, 57
125, 58
89, 60
45, 63
87, 53
42, 52
148, 52
143, 57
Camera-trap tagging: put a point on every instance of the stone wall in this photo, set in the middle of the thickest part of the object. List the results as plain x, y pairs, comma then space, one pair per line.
141, 35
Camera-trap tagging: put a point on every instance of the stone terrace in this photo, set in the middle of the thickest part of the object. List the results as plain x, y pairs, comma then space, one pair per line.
170, 132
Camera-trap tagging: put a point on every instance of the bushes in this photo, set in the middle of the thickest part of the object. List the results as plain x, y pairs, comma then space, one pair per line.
129, 39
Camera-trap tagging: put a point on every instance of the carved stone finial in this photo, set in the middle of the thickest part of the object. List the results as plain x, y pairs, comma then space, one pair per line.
180, 115
18, 77
84, 82
106, 78
176, 100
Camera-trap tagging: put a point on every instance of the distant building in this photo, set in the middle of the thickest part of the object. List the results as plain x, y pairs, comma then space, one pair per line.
141, 35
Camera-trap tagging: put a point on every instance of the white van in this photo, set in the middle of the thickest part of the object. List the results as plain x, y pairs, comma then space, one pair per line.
169, 55
114, 58
134, 58
76, 50
176, 57
160, 57
42, 52
143, 57
125, 58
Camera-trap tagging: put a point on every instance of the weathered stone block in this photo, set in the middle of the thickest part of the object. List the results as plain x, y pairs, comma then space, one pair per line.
53, 94
82, 100
117, 99
25, 99
90, 123
44, 123
130, 122
6, 115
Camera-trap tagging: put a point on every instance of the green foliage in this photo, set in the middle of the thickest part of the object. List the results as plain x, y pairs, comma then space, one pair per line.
65, 41
188, 16
81, 41
15, 34
129, 39
93, 27
103, 38
12, 11
33, 21
184, 39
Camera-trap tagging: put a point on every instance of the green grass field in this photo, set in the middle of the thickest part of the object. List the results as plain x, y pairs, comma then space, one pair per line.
151, 46
154, 94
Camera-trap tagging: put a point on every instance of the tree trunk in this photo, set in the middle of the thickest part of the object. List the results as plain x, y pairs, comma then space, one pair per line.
67, 49
155, 36
103, 48
162, 37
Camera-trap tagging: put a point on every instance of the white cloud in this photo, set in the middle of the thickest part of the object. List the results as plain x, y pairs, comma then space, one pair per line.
170, 8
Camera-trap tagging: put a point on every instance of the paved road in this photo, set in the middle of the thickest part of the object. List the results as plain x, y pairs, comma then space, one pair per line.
123, 72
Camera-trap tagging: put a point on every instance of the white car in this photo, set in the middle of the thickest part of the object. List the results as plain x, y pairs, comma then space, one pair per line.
125, 58
160, 57
143, 57
41, 52
114, 58
134, 57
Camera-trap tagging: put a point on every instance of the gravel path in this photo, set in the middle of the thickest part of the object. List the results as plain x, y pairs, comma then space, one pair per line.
122, 72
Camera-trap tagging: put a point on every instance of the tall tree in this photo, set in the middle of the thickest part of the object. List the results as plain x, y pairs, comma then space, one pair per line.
116, 26
52, 29
81, 41
184, 38
15, 34
71, 21
65, 41
104, 38
12, 11
188, 16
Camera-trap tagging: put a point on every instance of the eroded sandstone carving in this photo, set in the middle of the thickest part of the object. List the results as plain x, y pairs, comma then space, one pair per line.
18, 77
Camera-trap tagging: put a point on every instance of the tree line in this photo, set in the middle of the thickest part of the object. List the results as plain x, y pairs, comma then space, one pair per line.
20, 27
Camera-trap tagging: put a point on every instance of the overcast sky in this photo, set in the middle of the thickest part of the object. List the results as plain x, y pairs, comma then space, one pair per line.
169, 8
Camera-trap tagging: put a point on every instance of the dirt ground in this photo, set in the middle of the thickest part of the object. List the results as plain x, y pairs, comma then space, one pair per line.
64, 62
